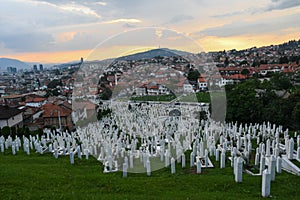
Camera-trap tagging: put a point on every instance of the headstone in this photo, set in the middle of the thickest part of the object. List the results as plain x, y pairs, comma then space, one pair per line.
2, 147
291, 149
262, 164
239, 170
55, 153
217, 154
192, 158
235, 159
86, 151
79, 152
167, 159
278, 165
72, 157
13, 150
125, 167
223, 157
183, 160
50, 148
110, 163
266, 183
256, 159
131, 160
148, 168
173, 165
206, 158
268, 148
272, 167
198, 166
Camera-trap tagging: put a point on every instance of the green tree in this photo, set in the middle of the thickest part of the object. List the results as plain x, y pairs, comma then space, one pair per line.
296, 116
193, 75
245, 72
280, 81
54, 83
5, 131
243, 104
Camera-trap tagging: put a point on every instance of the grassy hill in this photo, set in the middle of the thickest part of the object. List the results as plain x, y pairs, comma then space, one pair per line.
43, 177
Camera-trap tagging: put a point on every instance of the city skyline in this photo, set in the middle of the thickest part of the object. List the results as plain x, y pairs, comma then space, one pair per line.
52, 31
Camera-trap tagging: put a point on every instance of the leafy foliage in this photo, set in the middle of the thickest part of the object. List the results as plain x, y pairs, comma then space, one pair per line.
253, 101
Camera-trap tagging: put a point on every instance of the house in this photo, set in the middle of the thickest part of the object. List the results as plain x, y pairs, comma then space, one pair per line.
187, 87
152, 89
13, 100
57, 115
202, 84
163, 90
35, 102
81, 109
11, 117
225, 81
141, 90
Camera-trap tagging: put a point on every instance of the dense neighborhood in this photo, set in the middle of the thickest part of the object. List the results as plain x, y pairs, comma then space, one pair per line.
42, 97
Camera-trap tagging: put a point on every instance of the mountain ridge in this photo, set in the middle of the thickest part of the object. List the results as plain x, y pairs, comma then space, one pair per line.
10, 62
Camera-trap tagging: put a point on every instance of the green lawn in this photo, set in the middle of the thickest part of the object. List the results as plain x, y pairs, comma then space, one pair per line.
194, 97
43, 177
154, 98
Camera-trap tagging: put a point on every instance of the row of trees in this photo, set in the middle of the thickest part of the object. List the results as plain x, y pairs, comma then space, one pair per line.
13, 132
276, 101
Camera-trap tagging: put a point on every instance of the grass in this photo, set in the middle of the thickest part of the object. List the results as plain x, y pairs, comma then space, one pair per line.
43, 177
197, 97
154, 98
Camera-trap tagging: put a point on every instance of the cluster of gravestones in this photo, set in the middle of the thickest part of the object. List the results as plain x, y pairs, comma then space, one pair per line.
56, 142
147, 138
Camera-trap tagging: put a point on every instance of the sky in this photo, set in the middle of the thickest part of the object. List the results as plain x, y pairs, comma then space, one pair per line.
56, 31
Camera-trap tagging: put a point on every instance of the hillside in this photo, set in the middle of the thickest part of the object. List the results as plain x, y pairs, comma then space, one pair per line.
153, 53
8, 62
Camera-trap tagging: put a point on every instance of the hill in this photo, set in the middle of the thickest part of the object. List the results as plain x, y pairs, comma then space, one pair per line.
9, 62
153, 53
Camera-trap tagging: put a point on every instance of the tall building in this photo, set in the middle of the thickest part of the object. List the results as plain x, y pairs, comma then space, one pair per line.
41, 67
11, 70
35, 68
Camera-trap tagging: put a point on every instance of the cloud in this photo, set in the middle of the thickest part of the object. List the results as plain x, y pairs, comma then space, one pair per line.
273, 5
129, 25
252, 27
27, 41
282, 4
122, 20
180, 18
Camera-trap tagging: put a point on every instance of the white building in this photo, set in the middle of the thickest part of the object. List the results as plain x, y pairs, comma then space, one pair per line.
202, 84
187, 87
10, 117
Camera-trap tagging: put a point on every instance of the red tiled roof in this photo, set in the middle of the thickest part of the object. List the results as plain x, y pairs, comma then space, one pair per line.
201, 80
237, 77
153, 87
35, 100
52, 110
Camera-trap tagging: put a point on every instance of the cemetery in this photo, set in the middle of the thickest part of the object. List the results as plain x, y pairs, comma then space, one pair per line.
145, 139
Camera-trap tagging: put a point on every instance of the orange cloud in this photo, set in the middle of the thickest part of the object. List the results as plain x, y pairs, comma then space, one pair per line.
50, 57
214, 43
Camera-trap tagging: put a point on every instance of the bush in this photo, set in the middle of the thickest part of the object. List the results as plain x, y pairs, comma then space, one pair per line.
5, 131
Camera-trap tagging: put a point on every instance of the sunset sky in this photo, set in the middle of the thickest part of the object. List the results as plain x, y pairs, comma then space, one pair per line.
54, 31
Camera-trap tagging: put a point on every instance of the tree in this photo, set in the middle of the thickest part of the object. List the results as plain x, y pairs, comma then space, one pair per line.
226, 62
193, 75
13, 132
280, 82
245, 72
244, 62
283, 60
296, 116
5, 131
242, 103
54, 83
